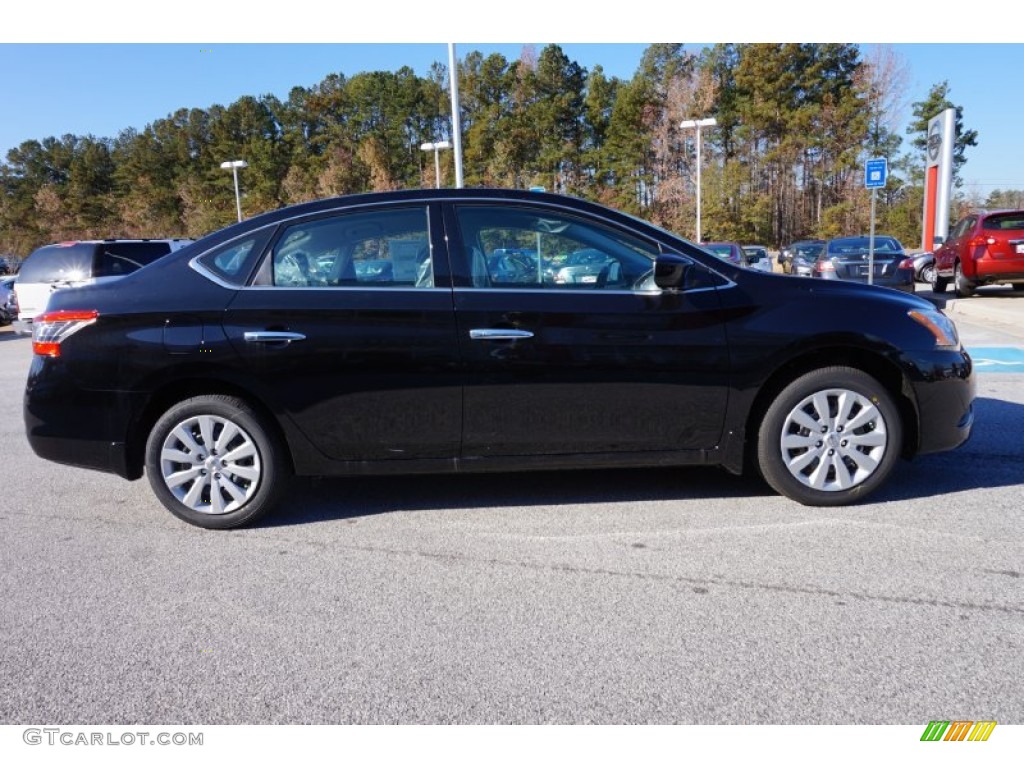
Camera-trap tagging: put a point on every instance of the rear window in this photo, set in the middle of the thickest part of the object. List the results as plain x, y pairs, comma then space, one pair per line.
1004, 221
82, 261
856, 246
56, 263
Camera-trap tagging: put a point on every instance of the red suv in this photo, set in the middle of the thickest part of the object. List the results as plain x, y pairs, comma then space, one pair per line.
982, 248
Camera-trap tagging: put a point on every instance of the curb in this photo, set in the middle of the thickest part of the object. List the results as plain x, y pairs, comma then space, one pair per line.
989, 311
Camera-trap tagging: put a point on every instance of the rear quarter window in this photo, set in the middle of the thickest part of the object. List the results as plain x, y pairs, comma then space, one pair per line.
233, 262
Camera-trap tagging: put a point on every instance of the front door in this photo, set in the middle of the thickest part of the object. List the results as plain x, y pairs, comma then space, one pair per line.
576, 351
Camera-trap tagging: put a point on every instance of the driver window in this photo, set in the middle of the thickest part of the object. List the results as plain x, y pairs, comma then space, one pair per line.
386, 248
526, 248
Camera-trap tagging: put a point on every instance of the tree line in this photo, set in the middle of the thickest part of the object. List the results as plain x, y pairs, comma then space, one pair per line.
795, 123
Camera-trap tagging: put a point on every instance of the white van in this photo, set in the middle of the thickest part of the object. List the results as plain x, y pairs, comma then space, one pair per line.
80, 262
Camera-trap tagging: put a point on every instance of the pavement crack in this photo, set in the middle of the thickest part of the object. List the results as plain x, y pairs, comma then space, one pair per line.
695, 581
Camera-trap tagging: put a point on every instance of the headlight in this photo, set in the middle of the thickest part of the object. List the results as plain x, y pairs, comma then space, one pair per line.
940, 326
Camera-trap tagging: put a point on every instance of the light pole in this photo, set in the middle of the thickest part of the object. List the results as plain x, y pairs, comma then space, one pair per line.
436, 146
453, 81
234, 165
698, 124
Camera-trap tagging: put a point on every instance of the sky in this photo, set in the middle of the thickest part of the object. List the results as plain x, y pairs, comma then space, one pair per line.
80, 71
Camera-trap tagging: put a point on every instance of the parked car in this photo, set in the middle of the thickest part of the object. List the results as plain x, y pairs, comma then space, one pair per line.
803, 251
847, 258
727, 251
587, 265
924, 267
982, 249
517, 265
758, 257
8, 300
77, 263
218, 382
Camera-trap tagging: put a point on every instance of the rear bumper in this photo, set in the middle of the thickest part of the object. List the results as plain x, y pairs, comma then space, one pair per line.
996, 272
79, 427
903, 282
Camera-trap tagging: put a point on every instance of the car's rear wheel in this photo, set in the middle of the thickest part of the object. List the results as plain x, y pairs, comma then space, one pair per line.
214, 463
831, 437
964, 287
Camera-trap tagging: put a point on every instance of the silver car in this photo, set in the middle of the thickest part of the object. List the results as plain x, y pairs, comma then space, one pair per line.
588, 265
8, 300
758, 257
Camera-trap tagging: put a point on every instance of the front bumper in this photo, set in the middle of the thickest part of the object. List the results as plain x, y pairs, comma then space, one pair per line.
944, 388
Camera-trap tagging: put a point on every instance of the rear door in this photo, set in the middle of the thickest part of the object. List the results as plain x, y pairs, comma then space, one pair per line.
363, 360
954, 247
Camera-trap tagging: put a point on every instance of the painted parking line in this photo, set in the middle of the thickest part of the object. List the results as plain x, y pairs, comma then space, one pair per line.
998, 359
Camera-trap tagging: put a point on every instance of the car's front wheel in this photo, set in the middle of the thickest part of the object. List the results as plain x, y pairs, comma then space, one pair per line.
938, 282
214, 463
831, 437
928, 273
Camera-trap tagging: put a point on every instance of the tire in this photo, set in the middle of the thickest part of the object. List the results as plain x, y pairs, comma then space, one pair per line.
1017, 286
928, 274
228, 490
964, 288
812, 459
938, 283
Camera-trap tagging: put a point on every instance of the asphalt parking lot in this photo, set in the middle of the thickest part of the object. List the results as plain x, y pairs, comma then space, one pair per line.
634, 596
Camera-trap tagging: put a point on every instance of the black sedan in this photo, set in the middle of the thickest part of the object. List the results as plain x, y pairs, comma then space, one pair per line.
221, 370
852, 258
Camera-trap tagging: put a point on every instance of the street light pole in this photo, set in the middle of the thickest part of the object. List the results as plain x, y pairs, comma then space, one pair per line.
234, 165
698, 124
436, 146
453, 81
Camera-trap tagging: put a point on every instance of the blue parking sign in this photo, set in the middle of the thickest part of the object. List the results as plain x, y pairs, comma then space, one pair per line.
875, 173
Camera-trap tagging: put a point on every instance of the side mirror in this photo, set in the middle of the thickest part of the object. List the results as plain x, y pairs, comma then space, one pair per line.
670, 271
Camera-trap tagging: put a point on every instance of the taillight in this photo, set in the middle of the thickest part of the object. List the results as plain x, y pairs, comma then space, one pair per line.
825, 266
50, 329
907, 263
981, 241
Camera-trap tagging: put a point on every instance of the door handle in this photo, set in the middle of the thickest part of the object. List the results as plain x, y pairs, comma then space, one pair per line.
499, 334
273, 337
